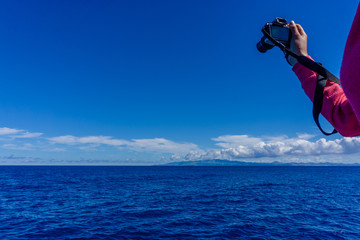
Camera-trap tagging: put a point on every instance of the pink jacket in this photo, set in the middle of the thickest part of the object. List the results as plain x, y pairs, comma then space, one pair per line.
341, 106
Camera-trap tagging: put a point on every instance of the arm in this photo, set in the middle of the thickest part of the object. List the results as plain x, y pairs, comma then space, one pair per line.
350, 68
336, 107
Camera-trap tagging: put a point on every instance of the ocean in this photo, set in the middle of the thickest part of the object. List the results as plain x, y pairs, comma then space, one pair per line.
168, 202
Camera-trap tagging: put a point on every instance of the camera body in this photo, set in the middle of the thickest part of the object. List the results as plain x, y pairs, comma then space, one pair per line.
278, 30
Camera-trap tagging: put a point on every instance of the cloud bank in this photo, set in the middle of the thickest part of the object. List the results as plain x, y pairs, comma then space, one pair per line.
240, 147
302, 148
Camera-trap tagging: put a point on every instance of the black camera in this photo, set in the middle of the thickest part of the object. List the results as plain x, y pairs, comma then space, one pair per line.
279, 31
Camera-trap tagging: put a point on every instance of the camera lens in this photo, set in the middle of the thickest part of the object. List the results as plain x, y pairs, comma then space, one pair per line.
264, 45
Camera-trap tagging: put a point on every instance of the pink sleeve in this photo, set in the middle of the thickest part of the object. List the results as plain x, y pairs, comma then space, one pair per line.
350, 68
336, 108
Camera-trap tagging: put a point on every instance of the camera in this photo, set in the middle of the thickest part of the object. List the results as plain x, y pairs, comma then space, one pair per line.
279, 31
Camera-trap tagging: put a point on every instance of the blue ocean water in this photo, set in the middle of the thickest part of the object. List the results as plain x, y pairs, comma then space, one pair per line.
179, 202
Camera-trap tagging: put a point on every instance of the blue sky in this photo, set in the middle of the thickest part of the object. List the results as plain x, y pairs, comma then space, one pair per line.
146, 82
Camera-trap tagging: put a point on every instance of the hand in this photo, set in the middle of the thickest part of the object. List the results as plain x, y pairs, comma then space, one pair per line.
298, 42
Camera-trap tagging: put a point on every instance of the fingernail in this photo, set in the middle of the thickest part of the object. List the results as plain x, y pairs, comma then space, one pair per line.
292, 23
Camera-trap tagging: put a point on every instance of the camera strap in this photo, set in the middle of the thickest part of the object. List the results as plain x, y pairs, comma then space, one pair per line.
323, 76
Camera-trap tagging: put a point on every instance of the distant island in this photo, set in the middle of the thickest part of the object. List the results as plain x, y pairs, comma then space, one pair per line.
219, 162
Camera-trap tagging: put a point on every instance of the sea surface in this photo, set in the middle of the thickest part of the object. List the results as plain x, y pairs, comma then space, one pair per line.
179, 202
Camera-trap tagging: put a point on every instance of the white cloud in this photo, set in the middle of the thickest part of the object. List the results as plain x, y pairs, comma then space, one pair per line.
8, 131
141, 145
305, 135
27, 135
275, 147
161, 145
68, 139
18, 133
228, 141
26, 146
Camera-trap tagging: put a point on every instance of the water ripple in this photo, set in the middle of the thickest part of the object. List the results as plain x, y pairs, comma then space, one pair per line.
179, 203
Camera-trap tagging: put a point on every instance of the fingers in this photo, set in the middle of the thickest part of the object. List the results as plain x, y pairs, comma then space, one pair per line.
296, 29
298, 44
300, 29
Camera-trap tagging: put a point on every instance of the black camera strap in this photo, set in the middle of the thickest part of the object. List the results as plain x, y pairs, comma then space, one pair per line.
323, 76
